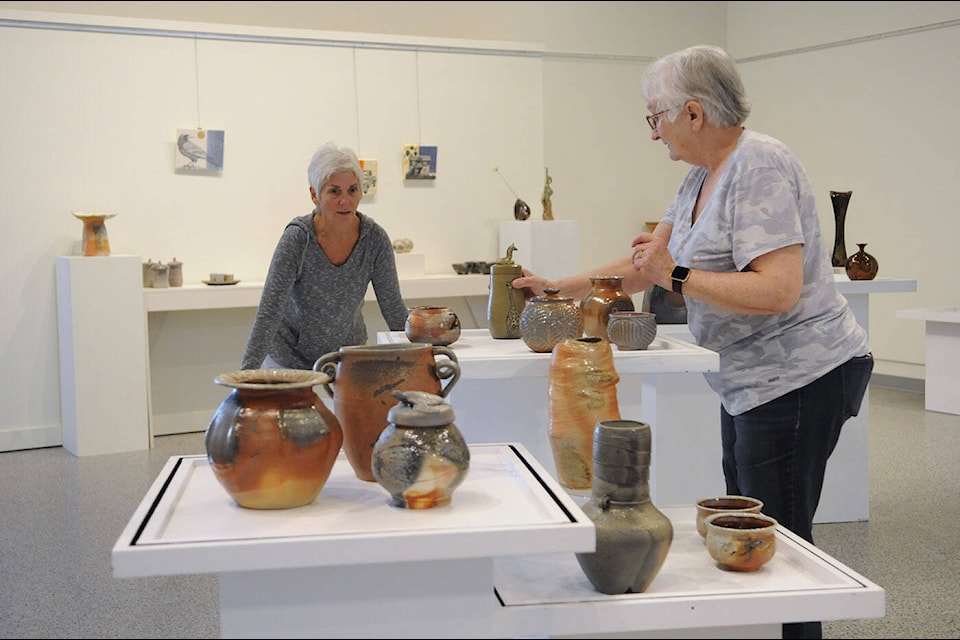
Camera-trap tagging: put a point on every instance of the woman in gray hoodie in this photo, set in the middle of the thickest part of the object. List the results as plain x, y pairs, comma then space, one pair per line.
312, 301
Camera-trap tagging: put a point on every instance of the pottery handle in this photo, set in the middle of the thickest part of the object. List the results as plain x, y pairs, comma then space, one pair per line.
327, 364
447, 369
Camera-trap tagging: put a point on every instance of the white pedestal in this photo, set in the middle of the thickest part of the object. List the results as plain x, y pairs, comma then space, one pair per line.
102, 328
410, 265
942, 371
549, 248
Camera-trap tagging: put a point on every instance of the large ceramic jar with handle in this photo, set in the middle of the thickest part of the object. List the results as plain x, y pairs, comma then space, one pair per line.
606, 294
272, 442
362, 379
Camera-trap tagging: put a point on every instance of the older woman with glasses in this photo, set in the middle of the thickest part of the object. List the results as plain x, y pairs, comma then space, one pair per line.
742, 243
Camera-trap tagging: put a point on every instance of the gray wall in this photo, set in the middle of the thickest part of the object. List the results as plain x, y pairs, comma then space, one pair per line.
859, 91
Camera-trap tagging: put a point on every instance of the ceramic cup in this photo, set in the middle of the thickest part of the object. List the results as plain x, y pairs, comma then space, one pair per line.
741, 541
221, 277
721, 504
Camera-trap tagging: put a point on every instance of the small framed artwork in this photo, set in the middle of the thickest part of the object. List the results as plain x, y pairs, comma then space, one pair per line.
199, 150
419, 162
369, 169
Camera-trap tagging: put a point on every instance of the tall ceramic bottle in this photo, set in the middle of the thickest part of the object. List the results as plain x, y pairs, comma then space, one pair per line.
839, 200
606, 294
581, 391
505, 304
633, 536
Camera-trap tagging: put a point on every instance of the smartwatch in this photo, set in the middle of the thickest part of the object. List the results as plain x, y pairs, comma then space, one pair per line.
679, 276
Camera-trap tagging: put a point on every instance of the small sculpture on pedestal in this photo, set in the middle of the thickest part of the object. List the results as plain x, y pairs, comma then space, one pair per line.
545, 198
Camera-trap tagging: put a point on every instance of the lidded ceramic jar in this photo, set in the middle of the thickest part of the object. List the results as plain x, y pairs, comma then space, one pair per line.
606, 294
176, 273
505, 304
421, 456
548, 319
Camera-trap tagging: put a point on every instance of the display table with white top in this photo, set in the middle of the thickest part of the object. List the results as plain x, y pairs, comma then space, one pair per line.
501, 396
499, 561
942, 362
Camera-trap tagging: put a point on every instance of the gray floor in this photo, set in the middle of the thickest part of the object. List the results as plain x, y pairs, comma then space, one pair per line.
61, 516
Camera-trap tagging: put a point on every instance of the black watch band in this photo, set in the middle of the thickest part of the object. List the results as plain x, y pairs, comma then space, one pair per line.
679, 276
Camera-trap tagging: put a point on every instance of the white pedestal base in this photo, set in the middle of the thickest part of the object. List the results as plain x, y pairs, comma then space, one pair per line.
102, 329
549, 248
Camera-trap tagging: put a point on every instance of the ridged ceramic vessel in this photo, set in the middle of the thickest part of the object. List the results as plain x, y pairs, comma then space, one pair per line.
632, 330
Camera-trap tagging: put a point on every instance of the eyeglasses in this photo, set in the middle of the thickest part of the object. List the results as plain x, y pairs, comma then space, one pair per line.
654, 118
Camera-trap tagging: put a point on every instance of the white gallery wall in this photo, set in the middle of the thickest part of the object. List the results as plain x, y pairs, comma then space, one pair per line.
90, 121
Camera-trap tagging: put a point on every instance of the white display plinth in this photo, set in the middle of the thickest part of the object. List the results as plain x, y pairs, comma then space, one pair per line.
498, 562
102, 330
548, 248
942, 363
410, 265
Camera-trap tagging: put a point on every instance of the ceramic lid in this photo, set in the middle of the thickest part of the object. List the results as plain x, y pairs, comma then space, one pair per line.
420, 409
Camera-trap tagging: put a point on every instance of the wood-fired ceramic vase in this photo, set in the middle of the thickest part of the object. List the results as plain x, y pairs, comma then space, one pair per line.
633, 536
582, 391
272, 442
362, 379
421, 457
432, 325
606, 294
548, 319
862, 265
94, 240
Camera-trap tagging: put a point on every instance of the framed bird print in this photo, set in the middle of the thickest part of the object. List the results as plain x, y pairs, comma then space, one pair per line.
199, 149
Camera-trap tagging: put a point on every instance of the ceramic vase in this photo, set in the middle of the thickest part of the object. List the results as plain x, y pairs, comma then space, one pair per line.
633, 536
421, 457
606, 294
272, 442
361, 379
432, 325
862, 265
668, 306
582, 391
548, 319
94, 240
839, 200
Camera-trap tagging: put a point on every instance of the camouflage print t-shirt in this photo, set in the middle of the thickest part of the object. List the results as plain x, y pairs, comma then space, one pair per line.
763, 202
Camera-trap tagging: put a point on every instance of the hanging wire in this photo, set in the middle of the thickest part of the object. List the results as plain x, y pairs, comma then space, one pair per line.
497, 171
356, 99
416, 57
196, 75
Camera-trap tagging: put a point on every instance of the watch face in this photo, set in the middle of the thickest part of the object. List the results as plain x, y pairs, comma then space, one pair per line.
680, 273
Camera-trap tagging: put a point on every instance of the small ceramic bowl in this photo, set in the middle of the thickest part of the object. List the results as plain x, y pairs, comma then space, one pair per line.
724, 504
632, 330
221, 277
461, 267
741, 541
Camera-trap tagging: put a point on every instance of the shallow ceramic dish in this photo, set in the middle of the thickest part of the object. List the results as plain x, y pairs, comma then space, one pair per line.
217, 284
